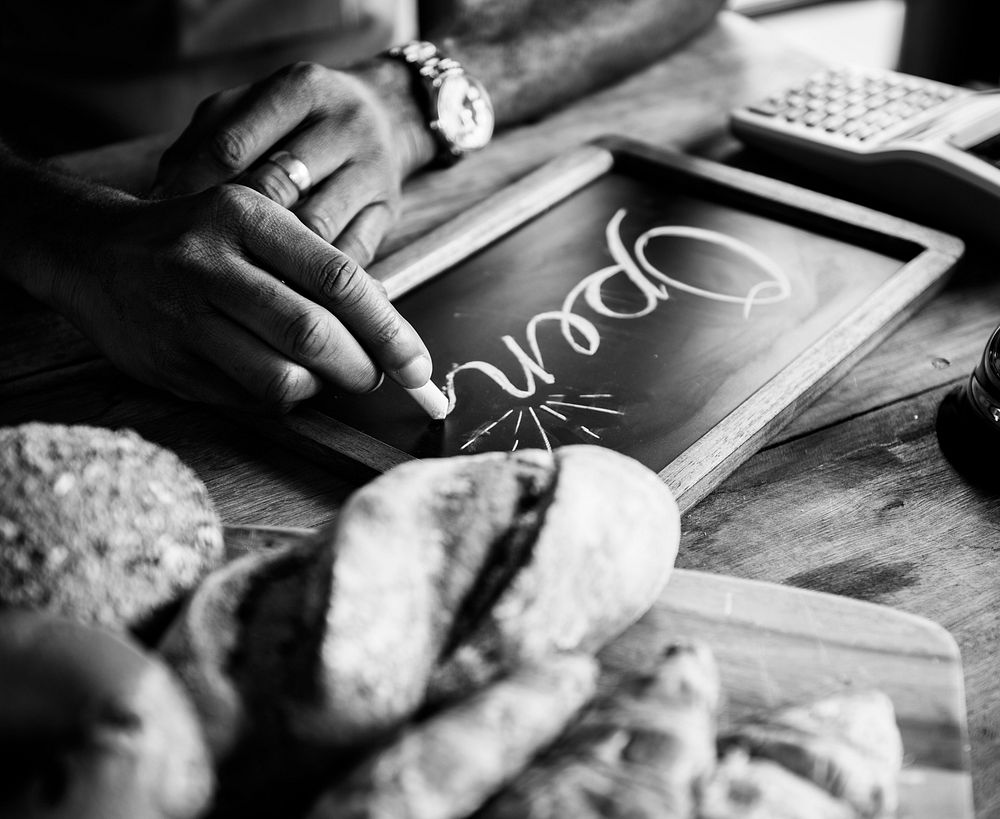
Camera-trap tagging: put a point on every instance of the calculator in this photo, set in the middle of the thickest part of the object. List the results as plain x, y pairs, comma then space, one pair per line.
926, 149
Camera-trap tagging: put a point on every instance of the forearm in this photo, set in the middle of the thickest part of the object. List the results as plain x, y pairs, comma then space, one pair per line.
48, 224
534, 55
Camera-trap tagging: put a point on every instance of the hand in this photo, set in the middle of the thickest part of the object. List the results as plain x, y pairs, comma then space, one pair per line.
357, 133
226, 297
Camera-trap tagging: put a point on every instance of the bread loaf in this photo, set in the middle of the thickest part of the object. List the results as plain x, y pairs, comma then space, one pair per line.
748, 788
446, 766
602, 553
644, 751
99, 526
847, 744
91, 727
437, 578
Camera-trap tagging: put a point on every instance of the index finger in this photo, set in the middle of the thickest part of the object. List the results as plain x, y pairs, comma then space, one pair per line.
338, 283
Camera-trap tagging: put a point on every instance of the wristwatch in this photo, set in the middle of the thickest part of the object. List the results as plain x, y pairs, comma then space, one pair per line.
458, 108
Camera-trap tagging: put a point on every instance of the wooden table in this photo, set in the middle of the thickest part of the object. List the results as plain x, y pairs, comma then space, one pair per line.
854, 496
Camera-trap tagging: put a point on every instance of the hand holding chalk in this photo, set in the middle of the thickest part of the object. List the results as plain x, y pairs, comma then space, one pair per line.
430, 397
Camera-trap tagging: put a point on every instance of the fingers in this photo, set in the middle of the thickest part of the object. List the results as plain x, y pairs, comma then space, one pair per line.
336, 282
346, 211
321, 152
171, 179
300, 331
343, 154
229, 134
267, 376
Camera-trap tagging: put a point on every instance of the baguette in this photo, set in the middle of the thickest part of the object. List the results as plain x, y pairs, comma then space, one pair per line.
438, 577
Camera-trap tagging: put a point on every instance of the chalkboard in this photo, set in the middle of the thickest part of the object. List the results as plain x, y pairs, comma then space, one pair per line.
669, 308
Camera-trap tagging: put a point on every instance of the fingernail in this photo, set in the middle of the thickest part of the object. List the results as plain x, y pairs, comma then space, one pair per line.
415, 373
381, 379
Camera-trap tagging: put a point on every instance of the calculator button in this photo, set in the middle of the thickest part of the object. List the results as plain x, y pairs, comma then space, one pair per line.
794, 114
855, 111
769, 107
834, 123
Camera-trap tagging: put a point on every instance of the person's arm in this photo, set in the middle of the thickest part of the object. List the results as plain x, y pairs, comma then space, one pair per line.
221, 296
535, 55
360, 131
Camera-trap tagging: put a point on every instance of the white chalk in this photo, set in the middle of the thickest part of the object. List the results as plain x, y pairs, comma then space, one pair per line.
431, 399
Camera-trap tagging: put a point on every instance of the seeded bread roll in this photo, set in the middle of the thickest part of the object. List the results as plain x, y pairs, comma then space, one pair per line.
91, 727
99, 526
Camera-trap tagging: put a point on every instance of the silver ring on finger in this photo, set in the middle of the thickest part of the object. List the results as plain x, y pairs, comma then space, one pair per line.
294, 168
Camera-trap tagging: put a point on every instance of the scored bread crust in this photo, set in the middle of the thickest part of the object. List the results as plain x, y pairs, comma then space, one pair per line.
437, 578
605, 551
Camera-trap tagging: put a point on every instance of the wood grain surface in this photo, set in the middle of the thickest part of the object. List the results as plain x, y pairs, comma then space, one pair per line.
778, 646
853, 497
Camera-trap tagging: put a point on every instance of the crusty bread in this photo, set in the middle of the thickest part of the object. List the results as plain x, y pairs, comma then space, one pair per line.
99, 526
602, 554
437, 578
848, 744
92, 727
446, 766
247, 643
749, 788
646, 749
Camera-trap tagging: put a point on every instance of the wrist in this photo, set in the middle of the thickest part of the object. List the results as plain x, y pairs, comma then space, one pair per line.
413, 143
54, 227
456, 106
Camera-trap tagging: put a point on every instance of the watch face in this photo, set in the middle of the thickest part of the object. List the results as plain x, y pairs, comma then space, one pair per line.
464, 113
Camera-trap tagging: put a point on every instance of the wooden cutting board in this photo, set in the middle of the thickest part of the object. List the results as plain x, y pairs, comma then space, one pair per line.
777, 645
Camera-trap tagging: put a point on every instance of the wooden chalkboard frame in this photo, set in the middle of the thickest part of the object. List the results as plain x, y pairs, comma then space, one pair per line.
704, 464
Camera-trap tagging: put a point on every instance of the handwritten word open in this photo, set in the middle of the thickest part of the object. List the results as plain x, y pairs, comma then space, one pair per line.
651, 285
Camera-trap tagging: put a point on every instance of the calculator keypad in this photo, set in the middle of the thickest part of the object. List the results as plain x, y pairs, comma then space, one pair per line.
855, 104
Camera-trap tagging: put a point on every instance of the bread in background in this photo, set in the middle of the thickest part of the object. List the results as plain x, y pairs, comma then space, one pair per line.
99, 526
